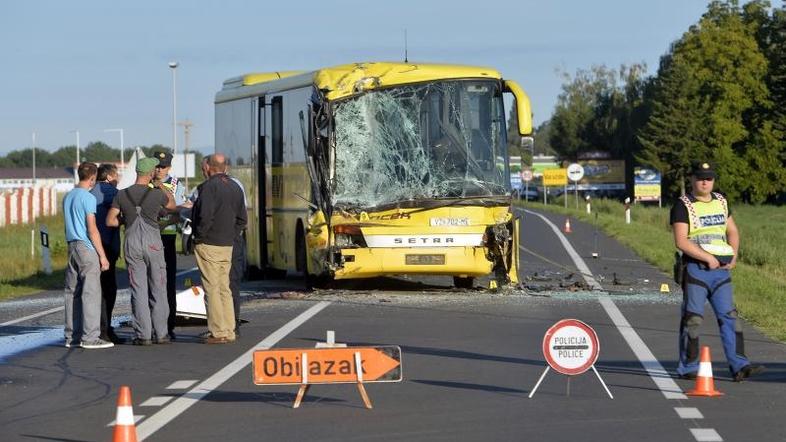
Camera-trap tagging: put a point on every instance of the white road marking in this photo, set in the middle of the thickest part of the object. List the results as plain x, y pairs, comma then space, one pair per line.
689, 413
58, 309
181, 404
33, 316
577, 261
156, 401
706, 435
181, 385
183, 272
659, 375
137, 418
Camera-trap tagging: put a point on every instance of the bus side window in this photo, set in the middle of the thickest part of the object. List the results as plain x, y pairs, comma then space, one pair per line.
277, 131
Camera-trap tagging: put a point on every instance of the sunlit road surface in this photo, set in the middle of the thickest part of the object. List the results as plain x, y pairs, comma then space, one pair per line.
470, 359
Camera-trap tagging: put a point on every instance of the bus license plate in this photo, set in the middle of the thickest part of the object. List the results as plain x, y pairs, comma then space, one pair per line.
428, 260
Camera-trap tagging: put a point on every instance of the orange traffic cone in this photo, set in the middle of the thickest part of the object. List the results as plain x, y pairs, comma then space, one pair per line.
566, 229
705, 385
125, 429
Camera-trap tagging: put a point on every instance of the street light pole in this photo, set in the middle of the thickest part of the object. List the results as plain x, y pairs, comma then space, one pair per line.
173, 65
75, 131
122, 160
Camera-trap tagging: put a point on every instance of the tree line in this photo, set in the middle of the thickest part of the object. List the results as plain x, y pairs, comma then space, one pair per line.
65, 156
718, 95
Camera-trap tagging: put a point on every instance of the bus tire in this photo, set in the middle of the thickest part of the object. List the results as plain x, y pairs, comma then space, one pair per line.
312, 281
463, 282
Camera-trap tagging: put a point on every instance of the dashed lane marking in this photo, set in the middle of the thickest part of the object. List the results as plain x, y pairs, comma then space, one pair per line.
183, 403
689, 413
181, 385
156, 401
706, 435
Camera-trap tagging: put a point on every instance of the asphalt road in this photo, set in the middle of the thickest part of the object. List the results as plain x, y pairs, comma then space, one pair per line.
470, 359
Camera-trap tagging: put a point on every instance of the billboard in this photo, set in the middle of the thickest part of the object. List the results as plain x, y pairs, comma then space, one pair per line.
602, 174
646, 184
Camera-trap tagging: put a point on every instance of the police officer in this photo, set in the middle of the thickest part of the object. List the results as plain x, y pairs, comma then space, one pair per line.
705, 233
168, 222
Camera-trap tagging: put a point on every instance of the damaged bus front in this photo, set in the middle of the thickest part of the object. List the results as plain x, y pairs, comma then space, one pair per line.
413, 179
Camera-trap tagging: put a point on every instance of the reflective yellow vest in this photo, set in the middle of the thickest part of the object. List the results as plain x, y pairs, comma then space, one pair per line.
707, 221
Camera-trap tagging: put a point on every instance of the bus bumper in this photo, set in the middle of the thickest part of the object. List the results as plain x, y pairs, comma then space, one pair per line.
372, 262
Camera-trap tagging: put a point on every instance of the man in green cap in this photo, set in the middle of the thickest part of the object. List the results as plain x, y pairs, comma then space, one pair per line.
138, 206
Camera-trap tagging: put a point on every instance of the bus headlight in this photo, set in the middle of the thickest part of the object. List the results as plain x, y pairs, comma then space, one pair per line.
348, 235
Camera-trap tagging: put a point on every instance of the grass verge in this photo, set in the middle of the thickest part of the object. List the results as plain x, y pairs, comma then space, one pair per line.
760, 277
22, 274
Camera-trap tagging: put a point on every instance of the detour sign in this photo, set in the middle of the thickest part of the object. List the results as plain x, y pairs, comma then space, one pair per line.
571, 347
327, 365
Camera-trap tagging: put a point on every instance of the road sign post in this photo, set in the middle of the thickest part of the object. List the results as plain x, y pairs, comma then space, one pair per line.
555, 177
526, 176
575, 173
328, 363
570, 347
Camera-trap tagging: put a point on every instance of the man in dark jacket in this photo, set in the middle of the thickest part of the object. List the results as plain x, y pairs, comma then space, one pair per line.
219, 212
105, 191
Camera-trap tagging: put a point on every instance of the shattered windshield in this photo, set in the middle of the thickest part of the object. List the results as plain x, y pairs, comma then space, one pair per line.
425, 141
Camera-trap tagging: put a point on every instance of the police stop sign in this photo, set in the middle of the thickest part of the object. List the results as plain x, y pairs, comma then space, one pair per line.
571, 347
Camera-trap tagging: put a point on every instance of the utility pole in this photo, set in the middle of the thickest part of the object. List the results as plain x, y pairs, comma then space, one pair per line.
187, 124
34, 159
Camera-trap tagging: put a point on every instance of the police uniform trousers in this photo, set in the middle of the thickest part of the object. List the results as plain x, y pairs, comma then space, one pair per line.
701, 285
170, 257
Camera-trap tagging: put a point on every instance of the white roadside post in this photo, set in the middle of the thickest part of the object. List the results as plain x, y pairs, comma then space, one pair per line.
589, 206
47, 261
627, 210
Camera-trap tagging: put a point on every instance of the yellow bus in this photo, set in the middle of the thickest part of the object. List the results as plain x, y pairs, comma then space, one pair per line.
375, 169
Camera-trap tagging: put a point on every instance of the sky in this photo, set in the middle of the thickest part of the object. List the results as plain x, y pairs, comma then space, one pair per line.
94, 65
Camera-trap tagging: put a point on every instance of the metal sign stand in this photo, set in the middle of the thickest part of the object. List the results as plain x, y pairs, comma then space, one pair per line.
543, 376
330, 342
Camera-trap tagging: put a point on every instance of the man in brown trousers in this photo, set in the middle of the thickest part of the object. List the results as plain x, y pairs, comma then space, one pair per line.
219, 212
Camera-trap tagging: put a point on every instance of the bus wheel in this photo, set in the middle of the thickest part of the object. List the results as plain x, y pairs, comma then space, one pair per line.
463, 282
301, 263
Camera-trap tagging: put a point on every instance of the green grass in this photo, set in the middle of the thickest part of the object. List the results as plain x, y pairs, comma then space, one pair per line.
760, 277
21, 274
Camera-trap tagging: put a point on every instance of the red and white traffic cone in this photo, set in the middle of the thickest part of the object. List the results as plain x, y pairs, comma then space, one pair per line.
125, 428
567, 229
705, 384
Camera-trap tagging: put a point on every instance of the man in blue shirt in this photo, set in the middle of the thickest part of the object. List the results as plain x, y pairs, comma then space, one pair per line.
86, 260
104, 192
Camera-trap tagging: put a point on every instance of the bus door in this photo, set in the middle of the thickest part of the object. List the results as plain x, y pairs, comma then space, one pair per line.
263, 178
274, 160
